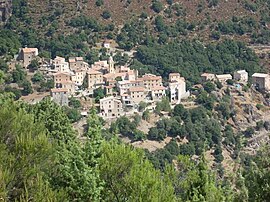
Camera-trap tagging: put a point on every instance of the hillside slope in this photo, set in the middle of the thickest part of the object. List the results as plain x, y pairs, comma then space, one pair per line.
203, 14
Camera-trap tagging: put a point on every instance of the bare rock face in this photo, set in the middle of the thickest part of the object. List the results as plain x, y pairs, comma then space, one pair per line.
5, 10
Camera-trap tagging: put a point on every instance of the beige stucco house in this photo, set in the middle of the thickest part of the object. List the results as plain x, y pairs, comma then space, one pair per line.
261, 81
111, 107
241, 76
95, 79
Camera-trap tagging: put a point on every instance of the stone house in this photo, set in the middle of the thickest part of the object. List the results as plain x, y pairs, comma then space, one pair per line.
177, 91
60, 77
27, 55
151, 80
60, 64
137, 94
69, 85
126, 99
109, 90
65, 80
60, 96
111, 107
79, 76
77, 63
261, 81
157, 93
241, 76
208, 77
174, 77
124, 86
223, 77
95, 79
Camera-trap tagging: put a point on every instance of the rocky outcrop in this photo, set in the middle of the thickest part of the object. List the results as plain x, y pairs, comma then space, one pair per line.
5, 10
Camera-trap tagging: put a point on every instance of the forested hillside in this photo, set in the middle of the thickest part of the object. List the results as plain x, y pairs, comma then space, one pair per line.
42, 160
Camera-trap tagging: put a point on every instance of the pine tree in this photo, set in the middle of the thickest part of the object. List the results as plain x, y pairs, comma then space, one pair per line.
129, 177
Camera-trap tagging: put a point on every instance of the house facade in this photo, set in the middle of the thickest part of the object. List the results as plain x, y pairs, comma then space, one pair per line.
62, 77
208, 77
223, 77
137, 94
60, 96
158, 93
111, 107
77, 63
95, 79
151, 80
79, 77
261, 81
241, 76
27, 55
60, 64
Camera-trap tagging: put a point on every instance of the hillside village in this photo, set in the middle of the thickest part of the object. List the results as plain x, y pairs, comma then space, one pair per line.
131, 100
124, 89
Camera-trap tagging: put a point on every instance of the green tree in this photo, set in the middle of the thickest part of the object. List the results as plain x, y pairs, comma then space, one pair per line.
18, 74
46, 85
99, 2
92, 56
142, 106
209, 87
38, 77
73, 114
33, 65
256, 176
3, 65
163, 105
198, 183
146, 115
75, 169
179, 110
17, 92
27, 88
25, 155
127, 175
73, 102
98, 94
157, 134
157, 6
106, 14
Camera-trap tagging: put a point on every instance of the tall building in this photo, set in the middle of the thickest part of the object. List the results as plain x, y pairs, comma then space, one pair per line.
111, 68
60, 64
27, 55
177, 88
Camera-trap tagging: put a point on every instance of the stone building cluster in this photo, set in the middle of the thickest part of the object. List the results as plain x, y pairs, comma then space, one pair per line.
240, 76
260, 81
123, 87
